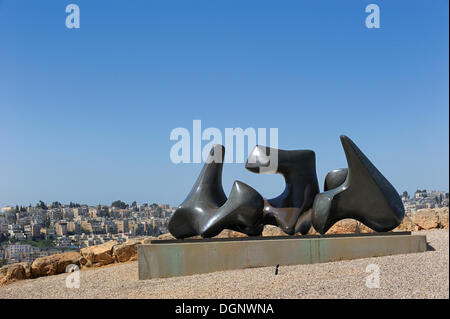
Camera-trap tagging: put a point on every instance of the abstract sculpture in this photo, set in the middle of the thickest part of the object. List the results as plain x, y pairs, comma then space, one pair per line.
206, 211
365, 195
360, 192
289, 211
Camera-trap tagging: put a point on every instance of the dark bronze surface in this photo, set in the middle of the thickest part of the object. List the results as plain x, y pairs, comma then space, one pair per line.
360, 192
289, 211
365, 195
335, 178
206, 211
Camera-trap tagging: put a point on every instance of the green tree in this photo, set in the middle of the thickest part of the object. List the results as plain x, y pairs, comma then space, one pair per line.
74, 205
119, 204
42, 205
56, 205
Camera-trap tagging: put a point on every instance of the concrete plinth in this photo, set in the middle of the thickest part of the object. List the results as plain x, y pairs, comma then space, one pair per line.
162, 259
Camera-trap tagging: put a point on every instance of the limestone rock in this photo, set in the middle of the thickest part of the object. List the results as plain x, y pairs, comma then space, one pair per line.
13, 272
344, 226
425, 219
363, 229
443, 217
227, 233
99, 255
312, 231
270, 230
166, 236
128, 250
147, 240
27, 269
406, 225
55, 264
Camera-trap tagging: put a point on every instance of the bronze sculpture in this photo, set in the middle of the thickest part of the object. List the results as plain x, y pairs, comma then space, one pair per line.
365, 195
289, 211
206, 211
360, 192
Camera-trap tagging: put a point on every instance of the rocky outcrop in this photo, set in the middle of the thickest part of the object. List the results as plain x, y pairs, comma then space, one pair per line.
55, 264
128, 250
99, 255
344, 226
14, 272
422, 219
270, 230
443, 217
227, 233
166, 236
425, 219
407, 224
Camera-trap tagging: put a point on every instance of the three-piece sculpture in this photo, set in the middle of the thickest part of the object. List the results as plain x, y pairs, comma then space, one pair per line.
360, 192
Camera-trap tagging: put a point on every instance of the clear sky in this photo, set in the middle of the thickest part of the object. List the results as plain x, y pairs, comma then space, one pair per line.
86, 114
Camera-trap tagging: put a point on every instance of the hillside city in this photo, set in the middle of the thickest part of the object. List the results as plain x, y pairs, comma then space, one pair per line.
27, 233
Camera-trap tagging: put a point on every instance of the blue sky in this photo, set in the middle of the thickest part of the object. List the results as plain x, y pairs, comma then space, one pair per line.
86, 114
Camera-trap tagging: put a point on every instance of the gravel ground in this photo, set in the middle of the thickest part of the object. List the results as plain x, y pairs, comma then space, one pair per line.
421, 275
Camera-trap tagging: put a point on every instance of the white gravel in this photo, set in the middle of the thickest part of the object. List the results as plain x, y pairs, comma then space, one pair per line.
421, 275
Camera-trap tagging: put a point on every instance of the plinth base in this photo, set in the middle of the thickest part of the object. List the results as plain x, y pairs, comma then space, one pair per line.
162, 259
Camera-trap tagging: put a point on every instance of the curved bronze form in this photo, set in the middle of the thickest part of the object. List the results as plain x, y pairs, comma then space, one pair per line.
241, 212
289, 211
206, 211
360, 192
335, 178
365, 195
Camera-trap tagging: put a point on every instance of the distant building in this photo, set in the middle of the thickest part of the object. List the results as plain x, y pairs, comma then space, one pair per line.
74, 227
122, 226
61, 228
92, 212
67, 213
48, 233
35, 231
19, 253
420, 194
8, 209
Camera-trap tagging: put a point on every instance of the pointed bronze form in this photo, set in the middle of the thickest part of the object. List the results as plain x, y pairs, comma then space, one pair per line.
207, 194
365, 195
288, 211
206, 211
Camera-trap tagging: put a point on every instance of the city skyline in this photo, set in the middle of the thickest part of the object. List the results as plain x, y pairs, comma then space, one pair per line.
130, 203
87, 113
